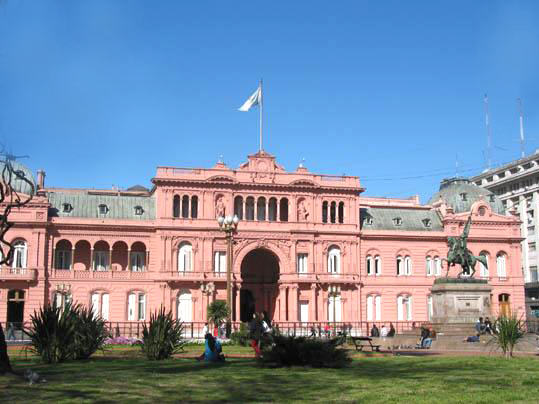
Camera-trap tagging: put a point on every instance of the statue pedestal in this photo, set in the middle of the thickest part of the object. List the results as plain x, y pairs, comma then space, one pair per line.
460, 300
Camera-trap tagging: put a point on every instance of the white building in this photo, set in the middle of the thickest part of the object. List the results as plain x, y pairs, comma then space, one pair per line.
517, 185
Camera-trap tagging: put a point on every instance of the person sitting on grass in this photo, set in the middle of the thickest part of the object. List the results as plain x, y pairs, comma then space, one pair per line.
213, 352
473, 338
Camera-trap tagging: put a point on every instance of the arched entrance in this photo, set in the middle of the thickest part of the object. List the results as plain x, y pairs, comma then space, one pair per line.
505, 306
259, 274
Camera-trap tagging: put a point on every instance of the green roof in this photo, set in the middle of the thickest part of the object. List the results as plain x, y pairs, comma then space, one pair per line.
386, 218
461, 194
86, 205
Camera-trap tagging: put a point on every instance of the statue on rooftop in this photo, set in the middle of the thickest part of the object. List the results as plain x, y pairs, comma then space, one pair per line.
460, 254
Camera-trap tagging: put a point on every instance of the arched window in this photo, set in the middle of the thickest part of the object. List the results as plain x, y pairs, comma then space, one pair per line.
378, 307
283, 207
250, 208
238, 207
272, 210
377, 265
185, 207
341, 212
136, 306
501, 262
324, 212
261, 209
407, 266
429, 307
62, 299
20, 253
483, 270
100, 305
334, 260
185, 257
437, 266
400, 266
176, 206
62, 255
194, 207
370, 265
333, 212
404, 308
185, 306
428, 266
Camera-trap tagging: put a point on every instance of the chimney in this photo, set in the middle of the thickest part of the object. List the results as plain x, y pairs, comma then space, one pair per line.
40, 179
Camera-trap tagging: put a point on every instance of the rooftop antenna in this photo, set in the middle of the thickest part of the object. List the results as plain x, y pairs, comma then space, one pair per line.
522, 144
489, 133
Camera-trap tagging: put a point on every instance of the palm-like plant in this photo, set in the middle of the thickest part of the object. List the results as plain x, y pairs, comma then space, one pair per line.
53, 332
508, 331
217, 311
162, 337
90, 334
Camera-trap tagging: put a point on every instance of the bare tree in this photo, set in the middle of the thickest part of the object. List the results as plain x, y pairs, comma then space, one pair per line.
10, 199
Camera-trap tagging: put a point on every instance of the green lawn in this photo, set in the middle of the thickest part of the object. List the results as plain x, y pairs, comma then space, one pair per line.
123, 375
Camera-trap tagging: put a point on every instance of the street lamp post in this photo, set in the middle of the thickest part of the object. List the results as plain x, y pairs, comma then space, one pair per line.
229, 224
334, 291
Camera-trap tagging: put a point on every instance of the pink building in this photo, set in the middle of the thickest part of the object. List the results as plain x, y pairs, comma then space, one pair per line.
126, 253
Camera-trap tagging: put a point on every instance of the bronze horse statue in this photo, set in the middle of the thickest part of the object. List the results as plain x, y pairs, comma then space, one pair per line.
459, 254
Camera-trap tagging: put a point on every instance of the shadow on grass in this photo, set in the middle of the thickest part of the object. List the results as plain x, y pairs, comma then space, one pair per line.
103, 379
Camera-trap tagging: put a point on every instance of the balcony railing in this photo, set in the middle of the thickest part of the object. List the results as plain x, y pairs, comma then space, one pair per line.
70, 274
18, 274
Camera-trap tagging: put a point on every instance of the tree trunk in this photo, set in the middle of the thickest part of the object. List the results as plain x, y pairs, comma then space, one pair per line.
5, 365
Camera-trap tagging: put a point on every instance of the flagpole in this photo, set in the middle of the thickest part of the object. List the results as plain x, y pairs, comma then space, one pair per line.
261, 114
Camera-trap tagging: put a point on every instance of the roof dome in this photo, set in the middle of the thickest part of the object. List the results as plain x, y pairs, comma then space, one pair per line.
19, 185
461, 194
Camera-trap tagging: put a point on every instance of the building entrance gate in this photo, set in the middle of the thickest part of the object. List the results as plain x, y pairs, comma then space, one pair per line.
260, 274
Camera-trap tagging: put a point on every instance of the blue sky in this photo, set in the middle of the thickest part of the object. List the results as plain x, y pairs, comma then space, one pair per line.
101, 92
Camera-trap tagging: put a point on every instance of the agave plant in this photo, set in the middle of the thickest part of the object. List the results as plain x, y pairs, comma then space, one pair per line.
509, 330
162, 337
53, 332
90, 334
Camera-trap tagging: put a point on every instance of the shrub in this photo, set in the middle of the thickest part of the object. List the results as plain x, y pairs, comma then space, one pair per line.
509, 330
90, 334
217, 311
241, 337
162, 337
52, 333
122, 341
71, 333
301, 351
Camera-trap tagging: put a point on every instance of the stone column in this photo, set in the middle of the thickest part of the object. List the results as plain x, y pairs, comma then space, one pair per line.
238, 301
110, 259
91, 259
293, 303
282, 303
128, 266
72, 263
312, 304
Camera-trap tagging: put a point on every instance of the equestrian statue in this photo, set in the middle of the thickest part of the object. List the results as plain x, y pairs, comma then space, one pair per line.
459, 254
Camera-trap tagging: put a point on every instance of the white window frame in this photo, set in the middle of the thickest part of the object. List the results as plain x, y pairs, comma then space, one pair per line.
404, 307
101, 261
334, 260
430, 307
378, 307
501, 265
135, 300
138, 261
370, 304
428, 265
407, 265
63, 259
370, 266
337, 301
377, 265
100, 304
219, 262
20, 254
400, 265
484, 271
185, 258
437, 266
302, 263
